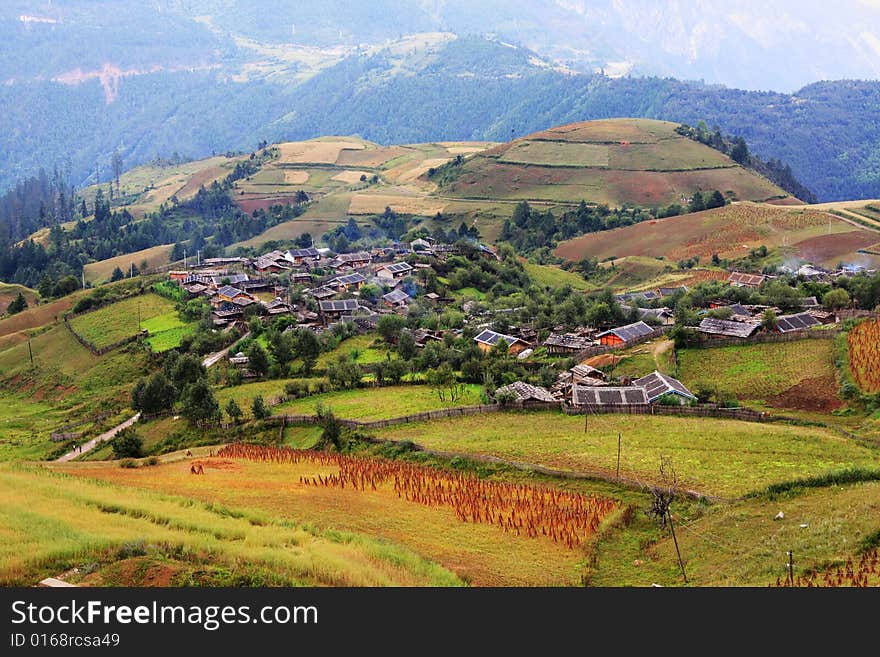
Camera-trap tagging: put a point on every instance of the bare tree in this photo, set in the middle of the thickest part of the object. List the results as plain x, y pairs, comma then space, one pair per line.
663, 494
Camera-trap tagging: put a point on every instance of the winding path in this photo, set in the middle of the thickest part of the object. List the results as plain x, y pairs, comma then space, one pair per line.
86, 447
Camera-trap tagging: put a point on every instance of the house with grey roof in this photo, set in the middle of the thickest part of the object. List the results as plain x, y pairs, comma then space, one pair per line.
587, 396
657, 385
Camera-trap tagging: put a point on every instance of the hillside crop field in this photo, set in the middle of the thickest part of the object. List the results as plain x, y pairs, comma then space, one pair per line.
614, 161
730, 232
37, 316
864, 355
479, 553
119, 320
52, 522
796, 375
713, 456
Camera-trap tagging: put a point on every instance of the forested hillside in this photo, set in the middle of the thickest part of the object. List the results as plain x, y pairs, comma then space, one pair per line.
469, 88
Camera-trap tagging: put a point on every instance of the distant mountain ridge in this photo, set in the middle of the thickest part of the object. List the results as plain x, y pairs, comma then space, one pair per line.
419, 90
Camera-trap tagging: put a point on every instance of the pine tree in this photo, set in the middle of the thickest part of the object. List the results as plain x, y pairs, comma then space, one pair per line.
18, 304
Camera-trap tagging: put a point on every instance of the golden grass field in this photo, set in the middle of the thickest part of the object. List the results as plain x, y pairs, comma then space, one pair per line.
51, 522
479, 554
376, 204
155, 256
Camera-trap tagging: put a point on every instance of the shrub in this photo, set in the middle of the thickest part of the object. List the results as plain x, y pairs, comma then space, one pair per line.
128, 463
127, 444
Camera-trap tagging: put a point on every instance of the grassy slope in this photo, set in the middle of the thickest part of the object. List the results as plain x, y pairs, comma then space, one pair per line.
742, 544
760, 371
721, 457
155, 256
119, 320
51, 522
729, 231
67, 383
9, 291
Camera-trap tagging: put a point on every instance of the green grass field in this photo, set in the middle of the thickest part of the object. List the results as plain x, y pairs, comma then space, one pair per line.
118, 321
713, 456
368, 347
50, 522
551, 276
762, 372
66, 383
378, 403
167, 330
244, 394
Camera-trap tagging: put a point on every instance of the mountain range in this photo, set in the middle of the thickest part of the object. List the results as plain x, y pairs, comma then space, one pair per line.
148, 80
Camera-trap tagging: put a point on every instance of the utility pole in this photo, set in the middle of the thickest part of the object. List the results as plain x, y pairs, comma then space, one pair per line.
131, 271
618, 455
677, 551
83, 278
198, 257
30, 353
790, 568
184, 258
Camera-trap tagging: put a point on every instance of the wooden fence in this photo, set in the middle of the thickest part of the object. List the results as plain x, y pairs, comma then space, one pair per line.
64, 432
103, 350
744, 414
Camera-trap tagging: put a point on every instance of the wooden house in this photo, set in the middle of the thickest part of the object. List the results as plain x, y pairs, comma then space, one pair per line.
798, 322
347, 282
657, 385
334, 309
350, 260
586, 375
567, 343
302, 256
664, 316
739, 279
723, 328
394, 270
229, 294
625, 334
396, 299
587, 396
487, 339
523, 392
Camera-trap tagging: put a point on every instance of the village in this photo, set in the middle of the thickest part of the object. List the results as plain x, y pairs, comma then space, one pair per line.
317, 290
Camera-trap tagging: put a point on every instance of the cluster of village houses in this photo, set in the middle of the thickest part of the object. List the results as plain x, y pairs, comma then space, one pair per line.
233, 284
584, 385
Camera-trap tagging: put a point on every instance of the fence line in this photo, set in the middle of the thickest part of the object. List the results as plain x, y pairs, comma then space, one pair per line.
744, 414
761, 338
